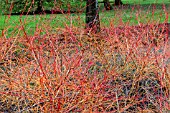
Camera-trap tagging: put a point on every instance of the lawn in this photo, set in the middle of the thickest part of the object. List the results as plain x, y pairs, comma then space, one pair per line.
113, 17
146, 1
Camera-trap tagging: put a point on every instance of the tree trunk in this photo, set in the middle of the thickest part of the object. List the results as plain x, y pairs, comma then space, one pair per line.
39, 6
107, 5
118, 2
92, 16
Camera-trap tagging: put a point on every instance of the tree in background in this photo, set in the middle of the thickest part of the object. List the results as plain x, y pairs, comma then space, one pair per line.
39, 5
92, 16
107, 5
118, 2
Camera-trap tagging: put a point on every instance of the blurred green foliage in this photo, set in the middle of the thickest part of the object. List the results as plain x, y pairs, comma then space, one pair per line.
18, 6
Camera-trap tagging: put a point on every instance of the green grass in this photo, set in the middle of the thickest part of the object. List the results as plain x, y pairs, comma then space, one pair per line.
142, 1
145, 1
60, 21
30, 22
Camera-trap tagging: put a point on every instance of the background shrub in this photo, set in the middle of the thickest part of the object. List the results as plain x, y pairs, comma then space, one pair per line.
19, 6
